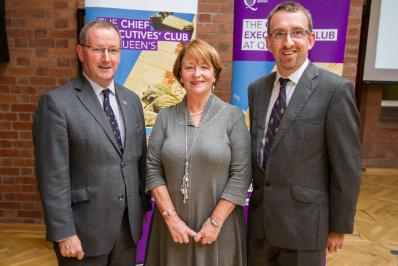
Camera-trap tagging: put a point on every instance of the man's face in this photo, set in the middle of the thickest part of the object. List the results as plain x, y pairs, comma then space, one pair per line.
289, 52
100, 55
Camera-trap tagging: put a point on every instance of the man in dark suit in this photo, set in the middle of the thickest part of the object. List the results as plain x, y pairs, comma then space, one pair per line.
90, 150
305, 151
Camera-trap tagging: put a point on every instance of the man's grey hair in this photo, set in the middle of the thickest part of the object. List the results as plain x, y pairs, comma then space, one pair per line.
98, 24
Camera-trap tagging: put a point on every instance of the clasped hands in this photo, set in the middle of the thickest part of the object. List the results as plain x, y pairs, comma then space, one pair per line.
180, 232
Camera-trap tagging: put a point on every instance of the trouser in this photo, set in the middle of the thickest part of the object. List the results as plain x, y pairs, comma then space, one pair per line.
262, 253
122, 254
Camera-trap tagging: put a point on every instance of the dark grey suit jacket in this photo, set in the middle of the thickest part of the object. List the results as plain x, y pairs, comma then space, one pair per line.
84, 180
311, 182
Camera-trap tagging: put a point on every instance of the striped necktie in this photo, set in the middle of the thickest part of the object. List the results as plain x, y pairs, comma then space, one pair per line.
275, 118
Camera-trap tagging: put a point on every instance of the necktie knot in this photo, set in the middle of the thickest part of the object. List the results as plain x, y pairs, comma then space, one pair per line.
283, 82
106, 92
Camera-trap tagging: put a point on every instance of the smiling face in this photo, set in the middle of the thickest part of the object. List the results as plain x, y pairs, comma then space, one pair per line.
289, 53
100, 67
197, 76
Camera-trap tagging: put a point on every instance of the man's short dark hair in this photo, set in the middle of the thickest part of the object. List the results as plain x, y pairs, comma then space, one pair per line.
290, 6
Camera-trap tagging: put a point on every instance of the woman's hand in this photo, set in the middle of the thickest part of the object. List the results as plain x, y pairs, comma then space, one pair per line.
208, 233
179, 231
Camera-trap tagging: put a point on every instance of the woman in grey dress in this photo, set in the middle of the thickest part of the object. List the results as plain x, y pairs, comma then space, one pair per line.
198, 171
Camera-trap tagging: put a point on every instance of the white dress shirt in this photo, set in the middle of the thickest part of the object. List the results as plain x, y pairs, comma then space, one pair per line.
290, 87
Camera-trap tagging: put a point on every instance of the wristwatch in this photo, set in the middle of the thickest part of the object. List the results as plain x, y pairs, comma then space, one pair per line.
215, 222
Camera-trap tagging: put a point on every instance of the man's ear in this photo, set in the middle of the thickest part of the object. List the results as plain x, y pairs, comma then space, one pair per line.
268, 43
311, 40
79, 52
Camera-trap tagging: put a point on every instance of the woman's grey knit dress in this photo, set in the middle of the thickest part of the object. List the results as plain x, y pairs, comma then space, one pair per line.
220, 167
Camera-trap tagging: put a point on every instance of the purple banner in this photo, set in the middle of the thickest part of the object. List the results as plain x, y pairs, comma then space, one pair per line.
330, 25
251, 59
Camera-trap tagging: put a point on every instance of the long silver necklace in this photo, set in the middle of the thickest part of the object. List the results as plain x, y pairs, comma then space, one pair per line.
185, 179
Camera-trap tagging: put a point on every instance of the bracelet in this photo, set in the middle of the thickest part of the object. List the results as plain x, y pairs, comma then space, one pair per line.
168, 213
215, 222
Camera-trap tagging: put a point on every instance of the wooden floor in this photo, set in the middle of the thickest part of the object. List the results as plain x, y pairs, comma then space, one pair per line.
375, 235
374, 239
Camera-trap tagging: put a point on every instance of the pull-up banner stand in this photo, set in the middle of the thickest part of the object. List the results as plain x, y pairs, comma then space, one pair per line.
152, 32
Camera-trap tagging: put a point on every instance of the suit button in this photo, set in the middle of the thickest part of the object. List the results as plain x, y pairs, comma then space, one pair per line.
267, 184
122, 164
120, 197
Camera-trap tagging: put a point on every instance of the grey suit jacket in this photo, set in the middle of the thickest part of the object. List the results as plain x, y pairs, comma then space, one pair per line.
84, 180
312, 178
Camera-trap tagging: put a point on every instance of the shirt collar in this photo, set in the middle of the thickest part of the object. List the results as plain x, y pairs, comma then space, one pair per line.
97, 88
295, 76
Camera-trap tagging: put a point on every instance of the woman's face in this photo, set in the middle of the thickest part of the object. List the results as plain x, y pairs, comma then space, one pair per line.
197, 77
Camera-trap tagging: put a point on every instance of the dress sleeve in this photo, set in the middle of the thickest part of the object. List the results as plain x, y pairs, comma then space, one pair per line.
240, 166
154, 167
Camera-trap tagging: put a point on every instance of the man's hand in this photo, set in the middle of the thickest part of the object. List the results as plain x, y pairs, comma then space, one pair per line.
71, 247
335, 242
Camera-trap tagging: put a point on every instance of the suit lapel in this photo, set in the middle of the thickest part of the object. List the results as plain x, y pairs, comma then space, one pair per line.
125, 111
302, 93
87, 97
261, 112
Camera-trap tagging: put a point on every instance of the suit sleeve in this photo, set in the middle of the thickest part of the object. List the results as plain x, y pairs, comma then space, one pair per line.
344, 152
50, 138
146, 199
250, 101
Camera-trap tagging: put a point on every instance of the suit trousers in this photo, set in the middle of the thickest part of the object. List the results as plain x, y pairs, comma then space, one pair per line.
262, 253
122, 254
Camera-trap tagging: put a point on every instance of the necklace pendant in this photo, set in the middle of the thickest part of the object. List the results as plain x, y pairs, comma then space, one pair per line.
185, 186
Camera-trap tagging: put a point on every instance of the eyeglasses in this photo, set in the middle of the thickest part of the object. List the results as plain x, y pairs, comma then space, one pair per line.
101, 51
281, 35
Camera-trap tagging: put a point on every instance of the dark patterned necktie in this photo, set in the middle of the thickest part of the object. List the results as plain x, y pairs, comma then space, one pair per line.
111, 118
275, 118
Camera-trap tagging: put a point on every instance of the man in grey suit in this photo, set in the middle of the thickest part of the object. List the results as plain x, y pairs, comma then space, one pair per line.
90, 150
305, 151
